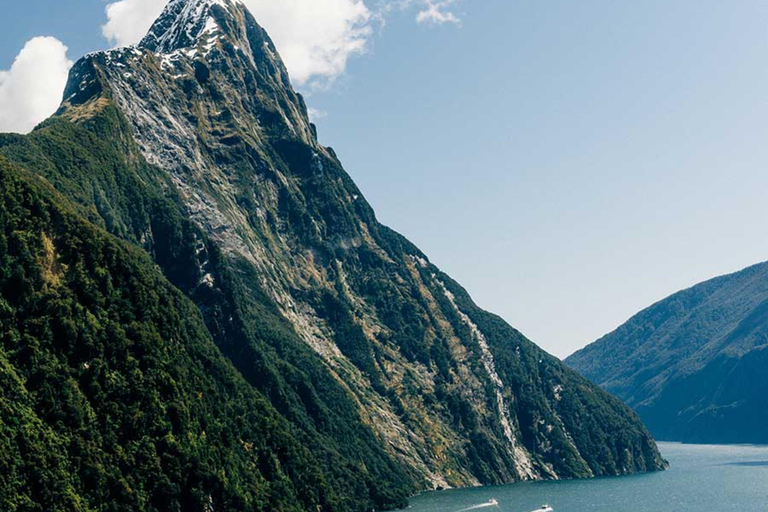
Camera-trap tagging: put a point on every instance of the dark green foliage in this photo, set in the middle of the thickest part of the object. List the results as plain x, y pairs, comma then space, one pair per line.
245, 324
609, 439
693, 365
270, 355
87, 164
115, 397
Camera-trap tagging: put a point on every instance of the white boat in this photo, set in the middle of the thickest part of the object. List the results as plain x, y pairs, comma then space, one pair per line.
544, 508
493, 501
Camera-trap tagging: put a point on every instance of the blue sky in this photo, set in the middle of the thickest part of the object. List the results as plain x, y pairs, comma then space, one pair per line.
568, 162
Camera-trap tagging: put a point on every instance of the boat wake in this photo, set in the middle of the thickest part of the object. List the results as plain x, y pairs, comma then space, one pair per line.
489, 503
494, 503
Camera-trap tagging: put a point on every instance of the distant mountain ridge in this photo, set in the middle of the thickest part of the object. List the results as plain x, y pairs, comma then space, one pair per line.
694, 364
349, 372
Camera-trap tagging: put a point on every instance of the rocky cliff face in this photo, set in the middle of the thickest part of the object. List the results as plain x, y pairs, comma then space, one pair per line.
693, 365
193, 146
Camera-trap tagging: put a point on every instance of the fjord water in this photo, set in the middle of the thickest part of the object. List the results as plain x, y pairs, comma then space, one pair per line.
700, 479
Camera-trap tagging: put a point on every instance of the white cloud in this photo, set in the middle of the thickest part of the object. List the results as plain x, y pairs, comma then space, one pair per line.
129, 20
315, 38
32, 89
316, 115
434, 12
437, 12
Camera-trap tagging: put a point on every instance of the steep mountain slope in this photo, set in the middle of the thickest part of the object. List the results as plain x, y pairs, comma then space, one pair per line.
114, 396
693, 365
194, 148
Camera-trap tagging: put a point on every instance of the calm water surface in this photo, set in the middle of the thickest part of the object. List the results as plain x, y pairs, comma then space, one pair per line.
700, 479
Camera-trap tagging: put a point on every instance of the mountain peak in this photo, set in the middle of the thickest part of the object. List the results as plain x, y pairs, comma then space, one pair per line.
364, 374
184, 23
200, 50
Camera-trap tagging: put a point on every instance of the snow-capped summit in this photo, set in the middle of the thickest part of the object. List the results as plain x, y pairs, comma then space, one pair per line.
184, 22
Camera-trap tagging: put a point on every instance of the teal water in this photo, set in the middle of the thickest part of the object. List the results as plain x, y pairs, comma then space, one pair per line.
700, 479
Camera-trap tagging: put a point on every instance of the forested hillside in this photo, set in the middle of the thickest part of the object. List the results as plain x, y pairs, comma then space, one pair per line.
693, 364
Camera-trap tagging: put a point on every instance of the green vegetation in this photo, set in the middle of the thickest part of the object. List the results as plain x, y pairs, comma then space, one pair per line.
599, 436
114, 396
240, 317
693, 364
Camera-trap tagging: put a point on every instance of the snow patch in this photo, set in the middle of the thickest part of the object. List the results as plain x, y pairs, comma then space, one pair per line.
192, 21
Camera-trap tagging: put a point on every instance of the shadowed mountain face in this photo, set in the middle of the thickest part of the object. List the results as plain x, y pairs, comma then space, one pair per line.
380, 375
694, 364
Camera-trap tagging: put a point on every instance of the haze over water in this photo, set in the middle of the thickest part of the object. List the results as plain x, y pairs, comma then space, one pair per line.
700, 479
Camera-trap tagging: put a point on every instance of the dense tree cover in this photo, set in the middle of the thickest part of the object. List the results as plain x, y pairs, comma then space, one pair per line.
240, 316
566, 422
609, 438
114, 395
693, 364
